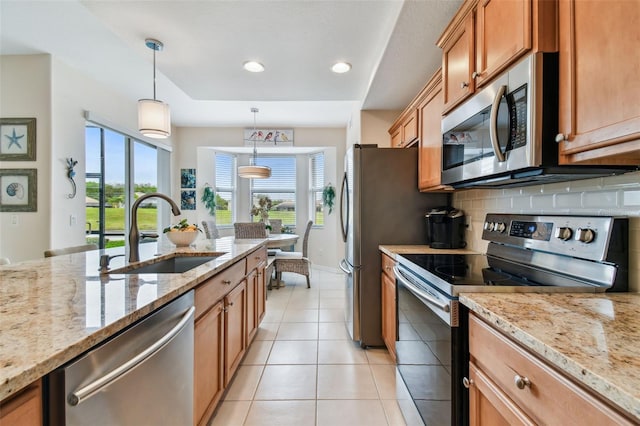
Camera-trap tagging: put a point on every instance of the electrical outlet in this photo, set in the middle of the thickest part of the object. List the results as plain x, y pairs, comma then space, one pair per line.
73, 220
14, 219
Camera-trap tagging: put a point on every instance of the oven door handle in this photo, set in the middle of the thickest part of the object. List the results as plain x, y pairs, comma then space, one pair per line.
493, 124
444, 306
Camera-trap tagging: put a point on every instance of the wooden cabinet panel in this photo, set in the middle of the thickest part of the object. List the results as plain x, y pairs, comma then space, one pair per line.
208, 362
389, 305
261, 293
405, 130
599, 86
255, 258
503, 34
489, 406
545, 395
235, 307
23, 408
396, 138
215, 288
458, 64
252, 320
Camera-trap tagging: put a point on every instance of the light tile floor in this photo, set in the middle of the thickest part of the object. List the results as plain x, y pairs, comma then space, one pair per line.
303, 369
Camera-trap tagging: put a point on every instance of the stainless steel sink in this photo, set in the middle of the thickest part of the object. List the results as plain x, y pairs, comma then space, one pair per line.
173, 265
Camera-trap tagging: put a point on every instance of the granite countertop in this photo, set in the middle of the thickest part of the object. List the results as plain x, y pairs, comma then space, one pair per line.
54, 309
593, 338
392, 250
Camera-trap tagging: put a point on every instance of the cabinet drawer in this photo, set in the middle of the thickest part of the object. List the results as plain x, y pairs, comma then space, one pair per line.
549, 397
255, 258
216, 287
387, 266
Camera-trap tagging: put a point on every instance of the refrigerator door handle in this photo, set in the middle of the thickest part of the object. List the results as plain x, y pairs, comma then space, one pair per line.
345, 267
344, 194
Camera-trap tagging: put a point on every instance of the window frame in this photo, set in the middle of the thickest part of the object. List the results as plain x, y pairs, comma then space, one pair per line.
233, 189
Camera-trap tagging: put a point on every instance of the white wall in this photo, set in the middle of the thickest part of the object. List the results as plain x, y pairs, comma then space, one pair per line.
26, 93
194, 150
612, 196
375, 126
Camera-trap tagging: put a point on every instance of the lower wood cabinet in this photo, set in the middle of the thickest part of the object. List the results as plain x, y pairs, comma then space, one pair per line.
235, 341
389, 305
208, 362
23, 408
509, 385
252, 317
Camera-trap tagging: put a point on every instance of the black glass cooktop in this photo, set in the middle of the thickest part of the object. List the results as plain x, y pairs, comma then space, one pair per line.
464, 270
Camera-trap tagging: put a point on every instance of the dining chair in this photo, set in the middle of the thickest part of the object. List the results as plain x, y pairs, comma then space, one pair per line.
250, 230
276, 226
295, 261
210, 229
69, 250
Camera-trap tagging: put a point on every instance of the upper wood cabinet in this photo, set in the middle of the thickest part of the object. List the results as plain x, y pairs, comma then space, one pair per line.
430, 141
404, 131
599, 86
487, 36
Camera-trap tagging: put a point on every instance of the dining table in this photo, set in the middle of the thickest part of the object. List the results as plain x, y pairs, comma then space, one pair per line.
281, 240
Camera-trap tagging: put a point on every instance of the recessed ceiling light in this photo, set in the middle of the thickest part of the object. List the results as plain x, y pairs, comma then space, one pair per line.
341, 67
253, 66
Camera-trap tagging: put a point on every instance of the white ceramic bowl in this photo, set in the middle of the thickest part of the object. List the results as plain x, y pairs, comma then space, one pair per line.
182, 238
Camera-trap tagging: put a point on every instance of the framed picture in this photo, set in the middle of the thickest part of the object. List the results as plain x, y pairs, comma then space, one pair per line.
187, 178
18, 190
188, 200
268, 137
17, 139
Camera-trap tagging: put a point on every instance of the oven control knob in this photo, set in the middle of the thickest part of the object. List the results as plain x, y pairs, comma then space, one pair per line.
500, 227
564, 233
489, 226
585, 235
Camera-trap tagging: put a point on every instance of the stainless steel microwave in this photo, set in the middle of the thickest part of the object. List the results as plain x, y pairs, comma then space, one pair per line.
504, 135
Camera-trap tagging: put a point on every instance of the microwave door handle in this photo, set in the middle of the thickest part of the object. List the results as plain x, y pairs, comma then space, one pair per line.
493, 125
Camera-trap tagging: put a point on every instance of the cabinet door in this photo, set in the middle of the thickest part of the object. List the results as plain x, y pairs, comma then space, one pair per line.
261, 293
235, 307
396, 138
389, 314
208, 363
252, 289
599, 85
503, 34
410, 128
458, 64
23, 408
489, 406
430, 148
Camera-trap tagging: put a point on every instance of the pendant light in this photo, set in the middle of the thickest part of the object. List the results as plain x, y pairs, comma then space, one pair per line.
253, 170
154, 117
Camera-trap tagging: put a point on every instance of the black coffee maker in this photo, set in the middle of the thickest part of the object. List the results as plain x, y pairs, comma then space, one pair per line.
445, 228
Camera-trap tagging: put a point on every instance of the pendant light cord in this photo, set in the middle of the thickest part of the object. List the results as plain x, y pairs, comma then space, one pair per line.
154, 74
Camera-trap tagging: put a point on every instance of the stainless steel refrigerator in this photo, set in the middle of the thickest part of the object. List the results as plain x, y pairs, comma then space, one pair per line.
379, 204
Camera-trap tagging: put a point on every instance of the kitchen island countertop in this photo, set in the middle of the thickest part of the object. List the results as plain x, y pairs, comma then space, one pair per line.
593, 338
54, 309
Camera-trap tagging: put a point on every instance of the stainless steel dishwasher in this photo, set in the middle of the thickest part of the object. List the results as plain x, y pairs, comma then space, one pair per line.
143, 376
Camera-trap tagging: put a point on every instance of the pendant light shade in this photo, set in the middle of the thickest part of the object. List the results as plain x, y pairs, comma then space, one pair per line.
154, 116
253, 170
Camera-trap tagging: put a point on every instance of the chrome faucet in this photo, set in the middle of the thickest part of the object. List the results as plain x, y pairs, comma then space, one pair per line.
134, 233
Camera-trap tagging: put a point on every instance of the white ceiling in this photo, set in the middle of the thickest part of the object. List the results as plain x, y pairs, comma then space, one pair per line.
390, 43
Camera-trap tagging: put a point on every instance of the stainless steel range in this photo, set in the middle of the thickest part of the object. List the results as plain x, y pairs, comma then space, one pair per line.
526, 253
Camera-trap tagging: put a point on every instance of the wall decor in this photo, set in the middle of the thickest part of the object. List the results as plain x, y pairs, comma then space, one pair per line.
209, 199
71, 163
187, 178
18, 190
268, 137
17, 139
188, 199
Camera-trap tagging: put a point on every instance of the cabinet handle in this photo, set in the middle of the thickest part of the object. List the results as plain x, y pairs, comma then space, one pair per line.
225, 309
467, 383
475, 75
562, 138
226, 282
464, 84
522, 382
230, 304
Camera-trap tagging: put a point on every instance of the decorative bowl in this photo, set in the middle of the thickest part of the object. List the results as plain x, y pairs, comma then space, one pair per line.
182, 238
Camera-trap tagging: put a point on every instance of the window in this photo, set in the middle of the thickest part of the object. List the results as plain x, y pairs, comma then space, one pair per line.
280, 188
316, 184
225, 188
119, 170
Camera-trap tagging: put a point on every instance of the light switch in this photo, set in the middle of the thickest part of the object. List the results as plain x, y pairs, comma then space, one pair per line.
14, 219
73, 220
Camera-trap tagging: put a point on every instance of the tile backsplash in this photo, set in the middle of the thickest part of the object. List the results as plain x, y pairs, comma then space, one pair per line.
611, 196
